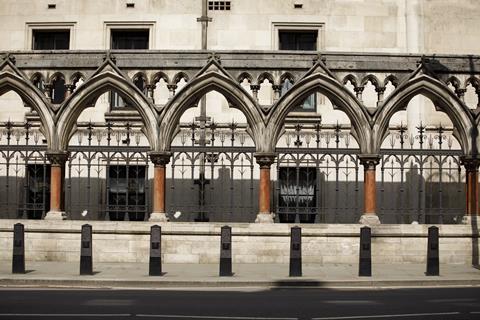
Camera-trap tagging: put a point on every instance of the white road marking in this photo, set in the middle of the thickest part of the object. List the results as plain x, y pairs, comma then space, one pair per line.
380, 316
172, 316
86, 315
350, 302
451, 300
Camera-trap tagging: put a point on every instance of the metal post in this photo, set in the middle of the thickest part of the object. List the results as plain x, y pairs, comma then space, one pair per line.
296, 252
18, 261
155, 267
86, 267
365, 265
226, 252
433, 266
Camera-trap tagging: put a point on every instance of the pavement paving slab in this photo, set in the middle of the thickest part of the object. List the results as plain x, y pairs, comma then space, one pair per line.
66, 274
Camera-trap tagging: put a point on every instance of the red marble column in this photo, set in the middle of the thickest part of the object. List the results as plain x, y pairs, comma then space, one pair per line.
370, 191
471, 168
160, 160
265, 160
57, 170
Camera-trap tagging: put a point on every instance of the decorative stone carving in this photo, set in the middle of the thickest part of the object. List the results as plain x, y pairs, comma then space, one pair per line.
265, 160
369, 162
57, 158
160, 158
471, 164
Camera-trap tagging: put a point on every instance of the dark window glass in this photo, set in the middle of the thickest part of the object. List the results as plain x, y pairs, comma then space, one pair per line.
116, 101
51, 39
129, 39
126, 192
37, 197
298, 40
297, 194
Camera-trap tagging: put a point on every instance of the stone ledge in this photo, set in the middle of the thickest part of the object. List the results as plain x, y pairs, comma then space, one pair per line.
238, 229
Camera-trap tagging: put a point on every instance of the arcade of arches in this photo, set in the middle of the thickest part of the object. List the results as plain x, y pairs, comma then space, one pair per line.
107, 140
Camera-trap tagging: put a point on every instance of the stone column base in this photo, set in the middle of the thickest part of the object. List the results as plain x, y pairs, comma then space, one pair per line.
264, 218
369, 219
56, 215
469, 219
158, 217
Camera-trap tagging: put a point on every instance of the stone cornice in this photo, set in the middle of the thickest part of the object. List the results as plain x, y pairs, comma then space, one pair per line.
336, 61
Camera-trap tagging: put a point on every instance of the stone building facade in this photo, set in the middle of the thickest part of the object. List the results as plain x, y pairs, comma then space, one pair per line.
332, 111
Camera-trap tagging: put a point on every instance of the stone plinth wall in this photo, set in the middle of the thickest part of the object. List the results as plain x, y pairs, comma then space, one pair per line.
252, 243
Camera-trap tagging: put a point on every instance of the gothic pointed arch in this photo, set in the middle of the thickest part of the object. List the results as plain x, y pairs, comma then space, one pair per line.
11, 79
211, 78
320, 79
107, 77
443, 98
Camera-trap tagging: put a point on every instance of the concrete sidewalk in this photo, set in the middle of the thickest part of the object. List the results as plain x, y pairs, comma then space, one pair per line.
135, 275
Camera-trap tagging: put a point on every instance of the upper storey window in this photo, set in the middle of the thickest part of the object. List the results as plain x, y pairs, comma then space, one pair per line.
51, 39
298, 39
219, 5
129, 39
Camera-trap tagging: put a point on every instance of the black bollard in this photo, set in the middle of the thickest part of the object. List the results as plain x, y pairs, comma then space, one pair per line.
296, 252
86, 266
433, 263
18, 261
226, 252
365, 265
155, 267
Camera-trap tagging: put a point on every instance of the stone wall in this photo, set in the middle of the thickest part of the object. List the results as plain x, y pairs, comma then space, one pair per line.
252, 243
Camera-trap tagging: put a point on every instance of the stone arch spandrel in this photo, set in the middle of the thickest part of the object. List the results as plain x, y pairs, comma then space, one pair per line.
34, 98
191, 93
342, 99
94, 87
442, 97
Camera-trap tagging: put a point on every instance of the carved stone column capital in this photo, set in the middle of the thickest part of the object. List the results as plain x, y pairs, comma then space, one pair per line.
369, 161
265, 160
380, 90
359, 89
255, 87
471, 163
160, 158
57, 158
277, 87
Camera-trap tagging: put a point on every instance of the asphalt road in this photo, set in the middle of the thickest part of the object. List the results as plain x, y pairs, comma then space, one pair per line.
267, 304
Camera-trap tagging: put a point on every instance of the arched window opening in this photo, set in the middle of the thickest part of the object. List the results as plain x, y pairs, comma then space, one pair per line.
369, 95
212, 172
140, 83
58, 90
472, 99
265, 93
420, 177
318, 176
161, 94
38, 82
